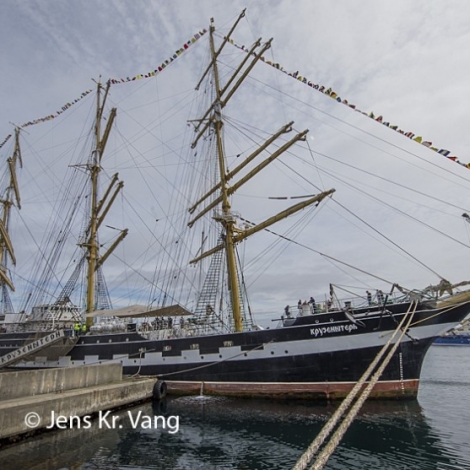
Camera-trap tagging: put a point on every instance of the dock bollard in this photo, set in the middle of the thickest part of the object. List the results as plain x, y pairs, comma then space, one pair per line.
159, 390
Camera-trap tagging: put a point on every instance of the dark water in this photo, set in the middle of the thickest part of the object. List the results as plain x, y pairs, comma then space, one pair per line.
218, 433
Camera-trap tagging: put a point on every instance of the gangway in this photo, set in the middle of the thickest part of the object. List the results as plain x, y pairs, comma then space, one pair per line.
32, 347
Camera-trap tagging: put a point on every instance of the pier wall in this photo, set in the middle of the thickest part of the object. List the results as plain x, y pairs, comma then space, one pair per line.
36, 382
72, 403
71, 392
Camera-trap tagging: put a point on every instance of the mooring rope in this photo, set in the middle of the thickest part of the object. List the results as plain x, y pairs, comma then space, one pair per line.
329, 426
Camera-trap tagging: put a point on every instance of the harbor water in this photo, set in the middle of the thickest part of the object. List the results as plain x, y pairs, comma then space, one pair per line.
220, 433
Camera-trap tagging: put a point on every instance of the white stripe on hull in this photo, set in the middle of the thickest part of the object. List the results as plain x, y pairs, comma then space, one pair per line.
317, 344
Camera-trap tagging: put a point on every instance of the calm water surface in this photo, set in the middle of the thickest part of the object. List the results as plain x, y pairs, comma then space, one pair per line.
218, 433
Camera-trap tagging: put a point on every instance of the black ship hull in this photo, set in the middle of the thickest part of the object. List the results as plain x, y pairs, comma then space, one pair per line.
317, 356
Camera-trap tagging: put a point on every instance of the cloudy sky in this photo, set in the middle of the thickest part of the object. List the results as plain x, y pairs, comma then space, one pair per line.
406, 61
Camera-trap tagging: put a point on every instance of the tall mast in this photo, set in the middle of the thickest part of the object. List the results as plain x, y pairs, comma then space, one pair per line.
96, 206
227, 220
6, 247
213, 117
92, 241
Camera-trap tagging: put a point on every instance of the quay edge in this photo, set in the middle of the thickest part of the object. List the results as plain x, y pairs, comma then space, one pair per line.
91, 389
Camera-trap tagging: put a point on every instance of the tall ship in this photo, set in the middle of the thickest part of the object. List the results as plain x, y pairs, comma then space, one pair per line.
197, 331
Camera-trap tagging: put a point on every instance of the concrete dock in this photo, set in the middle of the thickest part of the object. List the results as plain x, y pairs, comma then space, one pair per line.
32, 400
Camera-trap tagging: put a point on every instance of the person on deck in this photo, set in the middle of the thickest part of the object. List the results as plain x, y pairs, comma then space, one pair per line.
380, 297
312, 304
369, 297
76, 329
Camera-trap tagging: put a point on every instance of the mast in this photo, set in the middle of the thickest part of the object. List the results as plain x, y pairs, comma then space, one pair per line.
98, 209
92, 242
6, 247
228, 222
213, 118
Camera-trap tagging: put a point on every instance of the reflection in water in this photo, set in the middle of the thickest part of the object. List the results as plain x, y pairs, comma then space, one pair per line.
218, 433
58, 449
222, 433
444, 398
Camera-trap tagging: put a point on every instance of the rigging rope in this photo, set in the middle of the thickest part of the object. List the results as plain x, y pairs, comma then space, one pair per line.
390, 240
323, 254
329, 92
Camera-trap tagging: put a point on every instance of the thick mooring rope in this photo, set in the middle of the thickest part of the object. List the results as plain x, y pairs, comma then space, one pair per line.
333, 421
